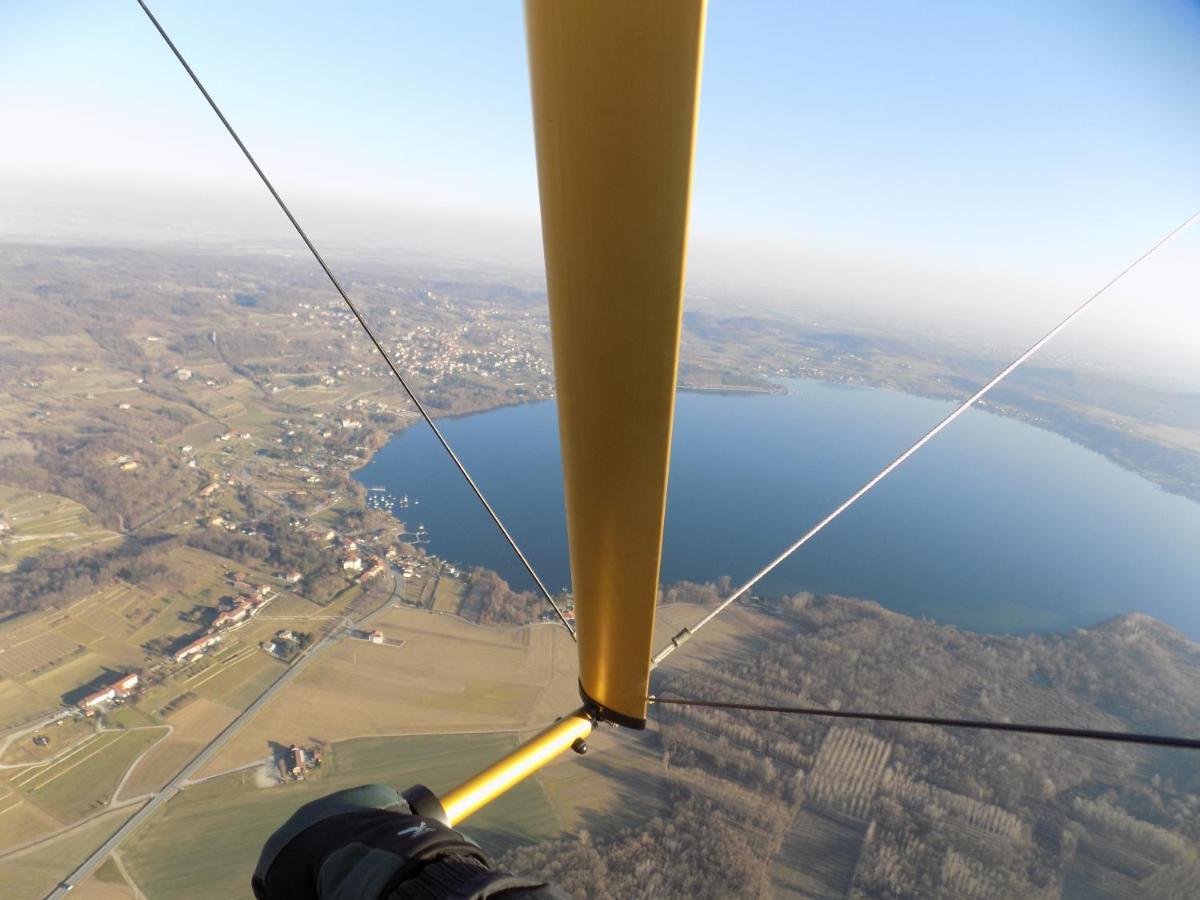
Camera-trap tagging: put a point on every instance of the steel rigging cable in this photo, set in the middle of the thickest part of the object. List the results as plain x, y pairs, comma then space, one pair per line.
684, 635
1123, 737
437, 433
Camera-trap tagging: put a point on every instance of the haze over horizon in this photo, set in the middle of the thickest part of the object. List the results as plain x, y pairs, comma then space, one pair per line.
968, 172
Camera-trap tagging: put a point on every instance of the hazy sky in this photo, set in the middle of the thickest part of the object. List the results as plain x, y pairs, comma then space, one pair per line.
987, 163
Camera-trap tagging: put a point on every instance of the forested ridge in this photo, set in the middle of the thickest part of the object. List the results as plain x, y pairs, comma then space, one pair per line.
770, 805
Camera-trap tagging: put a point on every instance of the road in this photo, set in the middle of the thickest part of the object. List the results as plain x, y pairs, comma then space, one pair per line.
92, 862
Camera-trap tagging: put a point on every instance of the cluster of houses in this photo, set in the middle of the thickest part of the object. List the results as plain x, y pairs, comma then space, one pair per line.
365, 567
438, 352
251, 600
123, 687
359, 566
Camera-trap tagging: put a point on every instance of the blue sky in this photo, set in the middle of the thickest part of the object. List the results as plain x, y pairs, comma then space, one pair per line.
843, 147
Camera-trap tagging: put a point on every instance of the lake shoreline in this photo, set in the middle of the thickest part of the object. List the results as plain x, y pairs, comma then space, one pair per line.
989, 604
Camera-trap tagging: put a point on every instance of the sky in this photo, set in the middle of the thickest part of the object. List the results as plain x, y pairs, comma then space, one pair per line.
961, 168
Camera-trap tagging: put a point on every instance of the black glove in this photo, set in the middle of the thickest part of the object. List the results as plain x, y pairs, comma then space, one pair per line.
365, 844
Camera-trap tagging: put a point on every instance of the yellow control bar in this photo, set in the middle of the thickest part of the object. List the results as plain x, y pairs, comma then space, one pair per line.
518, 765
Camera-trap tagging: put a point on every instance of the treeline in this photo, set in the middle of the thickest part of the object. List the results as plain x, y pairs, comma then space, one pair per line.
275, 544
59, 578
928, 812
489, 600
81, 464
703, 848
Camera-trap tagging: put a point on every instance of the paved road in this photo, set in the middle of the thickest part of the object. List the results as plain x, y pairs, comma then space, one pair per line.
93, 861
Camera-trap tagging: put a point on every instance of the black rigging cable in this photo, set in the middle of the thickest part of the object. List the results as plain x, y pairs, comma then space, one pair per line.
883, 473
1123, 737
361, 321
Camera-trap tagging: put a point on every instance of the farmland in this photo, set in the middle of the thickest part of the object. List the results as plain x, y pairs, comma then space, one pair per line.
59, 737
51, 657
447, 595
109, 883
499, 681
244, 405
206, 840
31, 874
192, 727
44, 523
84, 779
818, 856
21, 820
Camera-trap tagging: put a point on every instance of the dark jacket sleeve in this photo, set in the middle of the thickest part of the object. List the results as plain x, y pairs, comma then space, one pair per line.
464, 878
365, 844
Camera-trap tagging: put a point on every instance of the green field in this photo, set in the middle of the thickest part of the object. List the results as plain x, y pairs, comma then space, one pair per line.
205, 842
82, 781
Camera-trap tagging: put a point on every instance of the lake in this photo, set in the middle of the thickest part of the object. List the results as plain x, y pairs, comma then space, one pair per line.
994, 526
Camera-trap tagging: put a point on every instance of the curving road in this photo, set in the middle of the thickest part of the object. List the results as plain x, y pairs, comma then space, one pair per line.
92, 862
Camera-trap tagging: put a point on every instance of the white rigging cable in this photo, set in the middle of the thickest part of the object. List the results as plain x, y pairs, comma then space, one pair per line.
883, 473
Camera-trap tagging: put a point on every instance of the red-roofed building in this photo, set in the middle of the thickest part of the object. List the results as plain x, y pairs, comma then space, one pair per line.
129, 682
196, 647
232, 616
122, 687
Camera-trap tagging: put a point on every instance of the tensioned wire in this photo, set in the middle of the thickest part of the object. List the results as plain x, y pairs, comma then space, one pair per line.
337, 285
883, 473
1123, 737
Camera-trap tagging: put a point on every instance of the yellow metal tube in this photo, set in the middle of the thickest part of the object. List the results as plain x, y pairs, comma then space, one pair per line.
518, 765
615, 88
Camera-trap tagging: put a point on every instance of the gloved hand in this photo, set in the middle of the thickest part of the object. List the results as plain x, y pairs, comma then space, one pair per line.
365, 843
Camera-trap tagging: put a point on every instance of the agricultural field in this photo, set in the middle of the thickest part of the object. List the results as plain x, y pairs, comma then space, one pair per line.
623, 770
449, 675
59, 737
204, 843
83, 780
108, 883
21, 820
19, 704
447, 595
43, 523
34, 652
52, 657
192, 727
818, 855
737, 633
32, 873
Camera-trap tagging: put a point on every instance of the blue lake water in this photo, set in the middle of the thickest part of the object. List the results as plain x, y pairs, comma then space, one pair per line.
993, 526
